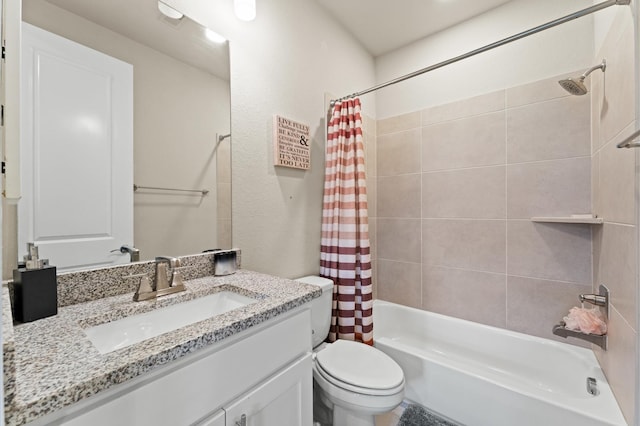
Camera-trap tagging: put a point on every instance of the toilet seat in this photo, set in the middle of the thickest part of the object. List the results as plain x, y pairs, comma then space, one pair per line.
359, 368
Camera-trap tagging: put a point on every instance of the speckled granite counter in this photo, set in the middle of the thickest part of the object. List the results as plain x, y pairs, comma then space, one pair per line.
50, 364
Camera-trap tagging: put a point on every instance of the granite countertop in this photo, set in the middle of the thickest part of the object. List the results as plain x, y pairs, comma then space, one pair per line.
50, 363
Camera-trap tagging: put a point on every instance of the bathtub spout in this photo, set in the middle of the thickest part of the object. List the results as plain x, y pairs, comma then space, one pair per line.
561, 330
601, 299
594, 299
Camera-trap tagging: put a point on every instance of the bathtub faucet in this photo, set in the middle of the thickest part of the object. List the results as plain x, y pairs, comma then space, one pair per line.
594, 299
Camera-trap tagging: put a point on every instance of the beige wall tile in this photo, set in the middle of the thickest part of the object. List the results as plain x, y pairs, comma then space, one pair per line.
596, 199
399, 196
477, 105
467, 244
619, 84
560, 252
469, 142
373, 237
399, 153
538, 91
468, 193
559, 128
370, 155
614, 257
372, 196
470, 295
617, 174
399, 239
549, 188
597, 105
398, 123
373, 241
368, 124
619, 363
399, 282
534, 306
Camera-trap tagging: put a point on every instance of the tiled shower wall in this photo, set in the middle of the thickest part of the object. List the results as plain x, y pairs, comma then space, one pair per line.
614, 189
456, 187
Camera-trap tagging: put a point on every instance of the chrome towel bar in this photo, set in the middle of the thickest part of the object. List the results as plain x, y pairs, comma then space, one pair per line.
203, 192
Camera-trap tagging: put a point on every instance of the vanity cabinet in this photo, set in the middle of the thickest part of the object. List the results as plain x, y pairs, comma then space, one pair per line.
280, 400
264, 372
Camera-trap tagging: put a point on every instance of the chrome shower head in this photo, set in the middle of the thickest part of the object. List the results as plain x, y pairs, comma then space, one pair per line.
576, 86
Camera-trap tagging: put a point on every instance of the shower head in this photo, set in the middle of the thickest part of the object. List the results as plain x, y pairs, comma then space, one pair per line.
576, 86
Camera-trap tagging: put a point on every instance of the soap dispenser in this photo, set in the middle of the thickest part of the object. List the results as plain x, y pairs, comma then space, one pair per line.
35, 288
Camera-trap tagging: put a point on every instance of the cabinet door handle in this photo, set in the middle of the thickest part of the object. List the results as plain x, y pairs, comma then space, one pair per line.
243, 421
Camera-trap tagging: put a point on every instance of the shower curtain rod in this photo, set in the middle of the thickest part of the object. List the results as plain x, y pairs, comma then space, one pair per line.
551, 24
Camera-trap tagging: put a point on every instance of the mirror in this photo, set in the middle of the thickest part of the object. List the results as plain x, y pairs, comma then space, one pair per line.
181, 118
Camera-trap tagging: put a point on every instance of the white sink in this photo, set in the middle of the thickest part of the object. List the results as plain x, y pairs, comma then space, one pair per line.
124, 332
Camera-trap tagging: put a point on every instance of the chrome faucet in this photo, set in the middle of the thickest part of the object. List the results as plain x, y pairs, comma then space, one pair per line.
167, 280
594, 299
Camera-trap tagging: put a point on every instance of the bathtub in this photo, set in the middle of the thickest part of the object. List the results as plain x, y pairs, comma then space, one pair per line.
485, 376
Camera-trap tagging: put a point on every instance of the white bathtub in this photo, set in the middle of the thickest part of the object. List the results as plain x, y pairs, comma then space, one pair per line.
485, 376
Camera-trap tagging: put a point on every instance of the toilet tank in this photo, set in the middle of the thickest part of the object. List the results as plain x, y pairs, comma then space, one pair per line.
320, 307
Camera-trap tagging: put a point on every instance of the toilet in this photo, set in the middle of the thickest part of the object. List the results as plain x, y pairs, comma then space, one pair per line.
352, 382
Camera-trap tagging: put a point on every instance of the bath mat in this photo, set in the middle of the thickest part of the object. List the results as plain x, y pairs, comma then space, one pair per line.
416, 415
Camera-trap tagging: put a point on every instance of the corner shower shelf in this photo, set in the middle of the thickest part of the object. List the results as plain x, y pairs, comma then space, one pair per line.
574, 218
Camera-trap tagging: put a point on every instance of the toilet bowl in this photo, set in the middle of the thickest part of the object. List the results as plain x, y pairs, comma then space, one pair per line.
353, 381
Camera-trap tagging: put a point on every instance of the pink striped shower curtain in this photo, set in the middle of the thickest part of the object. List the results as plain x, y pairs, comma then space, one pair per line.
345, 253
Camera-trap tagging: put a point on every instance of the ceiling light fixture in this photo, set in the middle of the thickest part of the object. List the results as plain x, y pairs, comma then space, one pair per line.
245, 10
214, 36
168, 11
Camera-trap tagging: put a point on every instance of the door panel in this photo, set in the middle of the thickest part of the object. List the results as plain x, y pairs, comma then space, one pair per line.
284, 400
76, 152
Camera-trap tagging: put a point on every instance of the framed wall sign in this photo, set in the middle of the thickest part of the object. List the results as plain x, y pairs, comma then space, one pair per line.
291, 143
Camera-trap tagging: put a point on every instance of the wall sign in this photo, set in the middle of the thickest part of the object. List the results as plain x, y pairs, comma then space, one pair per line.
291, 143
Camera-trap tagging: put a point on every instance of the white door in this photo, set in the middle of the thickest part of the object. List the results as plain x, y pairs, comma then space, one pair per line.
284, 400
76, 152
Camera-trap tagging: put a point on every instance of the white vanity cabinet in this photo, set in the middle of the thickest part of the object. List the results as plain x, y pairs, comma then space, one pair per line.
264, 373
281, 400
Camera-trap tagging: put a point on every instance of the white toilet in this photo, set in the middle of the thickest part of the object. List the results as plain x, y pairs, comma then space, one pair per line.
353, 380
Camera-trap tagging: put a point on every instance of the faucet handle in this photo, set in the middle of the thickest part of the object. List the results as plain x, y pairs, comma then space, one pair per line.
162, 278
172, 261
145, 291
177, 278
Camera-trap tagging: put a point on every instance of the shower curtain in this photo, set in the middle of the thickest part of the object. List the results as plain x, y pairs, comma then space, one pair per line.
345, 253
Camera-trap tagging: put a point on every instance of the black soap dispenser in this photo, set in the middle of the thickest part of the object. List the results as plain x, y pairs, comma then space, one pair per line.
35, 288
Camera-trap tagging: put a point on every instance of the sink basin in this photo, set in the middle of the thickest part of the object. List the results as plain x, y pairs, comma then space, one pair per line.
124, 332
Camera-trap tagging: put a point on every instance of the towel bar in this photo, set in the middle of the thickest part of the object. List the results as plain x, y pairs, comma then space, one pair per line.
156, 188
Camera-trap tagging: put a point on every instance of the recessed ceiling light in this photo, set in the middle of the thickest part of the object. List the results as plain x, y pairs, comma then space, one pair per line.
214, 36
168, 11
245, 10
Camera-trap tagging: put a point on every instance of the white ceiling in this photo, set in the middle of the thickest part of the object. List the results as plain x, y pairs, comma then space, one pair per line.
385, 25
140, 20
